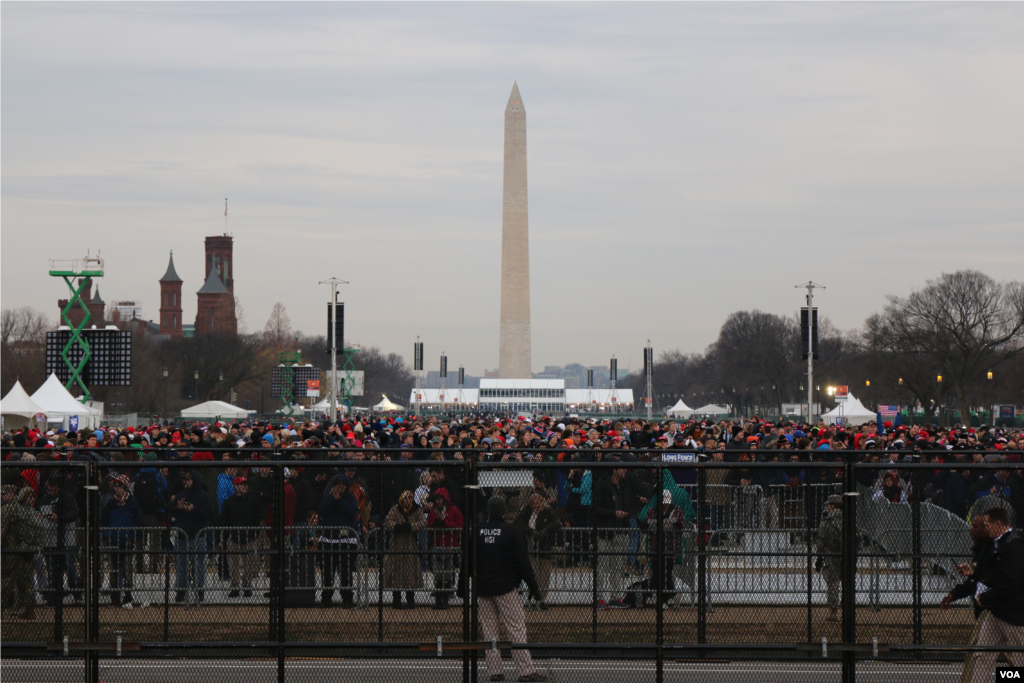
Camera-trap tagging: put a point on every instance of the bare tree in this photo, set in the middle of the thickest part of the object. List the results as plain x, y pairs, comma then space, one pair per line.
278, 330
960, 326
23, 347
240, 317
756, 348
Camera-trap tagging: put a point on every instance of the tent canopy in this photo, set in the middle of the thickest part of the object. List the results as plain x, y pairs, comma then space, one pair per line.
18, 402
680, 409
386, 405
324, 406
57, 402
212, 409
853, 410
712, 409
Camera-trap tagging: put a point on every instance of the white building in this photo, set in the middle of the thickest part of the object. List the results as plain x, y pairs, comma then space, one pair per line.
548, 396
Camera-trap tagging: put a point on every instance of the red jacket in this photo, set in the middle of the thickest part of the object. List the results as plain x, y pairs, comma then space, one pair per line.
447, 529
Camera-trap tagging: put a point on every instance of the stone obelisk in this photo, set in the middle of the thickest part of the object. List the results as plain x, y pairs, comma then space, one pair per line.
514, 347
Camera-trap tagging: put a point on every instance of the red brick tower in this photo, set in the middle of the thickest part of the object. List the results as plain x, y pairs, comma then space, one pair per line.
219, 257
215, 301
170, 301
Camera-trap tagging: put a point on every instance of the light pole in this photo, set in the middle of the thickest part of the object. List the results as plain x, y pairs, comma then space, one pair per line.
195, 376
334, 282
165, 394
810, 343
991, 406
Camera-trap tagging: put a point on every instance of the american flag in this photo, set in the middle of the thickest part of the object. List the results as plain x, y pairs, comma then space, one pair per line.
888, 411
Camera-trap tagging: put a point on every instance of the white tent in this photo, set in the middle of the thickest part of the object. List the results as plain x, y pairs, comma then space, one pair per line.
58, 404
18, 407
853, 410
324, 406
680, 409
712, 409
215, 409
385, 405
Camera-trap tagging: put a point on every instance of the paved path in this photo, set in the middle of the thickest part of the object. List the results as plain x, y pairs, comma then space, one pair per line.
427, 671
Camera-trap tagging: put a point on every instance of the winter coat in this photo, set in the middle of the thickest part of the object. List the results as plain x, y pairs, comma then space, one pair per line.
448, 529
545, 530
119, 522
200, 517
402, 572
241, 511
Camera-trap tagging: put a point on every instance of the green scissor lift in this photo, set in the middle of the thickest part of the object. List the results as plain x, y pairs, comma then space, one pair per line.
83, 270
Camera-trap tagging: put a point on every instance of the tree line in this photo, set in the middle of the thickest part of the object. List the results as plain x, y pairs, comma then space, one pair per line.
964, 327
957, 342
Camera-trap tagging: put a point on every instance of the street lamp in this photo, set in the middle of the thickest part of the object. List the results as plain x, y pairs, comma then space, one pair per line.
991, 408
195, 376
165, 394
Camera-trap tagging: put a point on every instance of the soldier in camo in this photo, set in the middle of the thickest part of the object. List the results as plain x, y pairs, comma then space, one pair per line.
829, 544
21, 535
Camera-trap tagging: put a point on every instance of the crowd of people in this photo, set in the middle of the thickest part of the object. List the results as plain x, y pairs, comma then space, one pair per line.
334, 500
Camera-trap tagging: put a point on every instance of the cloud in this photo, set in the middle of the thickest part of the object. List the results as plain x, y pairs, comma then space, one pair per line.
685, 160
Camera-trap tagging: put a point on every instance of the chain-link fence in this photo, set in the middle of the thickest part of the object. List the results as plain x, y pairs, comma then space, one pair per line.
348, 563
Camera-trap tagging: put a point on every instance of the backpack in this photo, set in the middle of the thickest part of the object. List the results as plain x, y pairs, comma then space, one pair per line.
147, 493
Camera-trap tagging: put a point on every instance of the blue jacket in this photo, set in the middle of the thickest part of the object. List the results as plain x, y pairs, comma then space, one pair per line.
120, 521
225, 489
343, 511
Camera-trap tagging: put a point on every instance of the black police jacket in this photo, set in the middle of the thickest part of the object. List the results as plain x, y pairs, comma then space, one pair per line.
502, 560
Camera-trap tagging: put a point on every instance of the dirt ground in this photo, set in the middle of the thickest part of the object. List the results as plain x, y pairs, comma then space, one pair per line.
558, 624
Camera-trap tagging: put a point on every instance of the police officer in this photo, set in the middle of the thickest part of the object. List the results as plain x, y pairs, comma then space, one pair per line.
829, 545
22, 530
502, 563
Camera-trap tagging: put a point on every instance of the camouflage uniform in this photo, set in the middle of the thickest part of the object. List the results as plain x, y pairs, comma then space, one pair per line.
21, 534
829, 542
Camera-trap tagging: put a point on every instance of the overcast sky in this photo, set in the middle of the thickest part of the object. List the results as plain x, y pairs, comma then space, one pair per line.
685, 160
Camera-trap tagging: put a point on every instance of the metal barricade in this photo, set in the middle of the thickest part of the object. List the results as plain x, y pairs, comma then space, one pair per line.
123, 581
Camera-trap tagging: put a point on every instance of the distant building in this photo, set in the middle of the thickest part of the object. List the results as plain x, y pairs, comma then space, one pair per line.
171, 320
215, 299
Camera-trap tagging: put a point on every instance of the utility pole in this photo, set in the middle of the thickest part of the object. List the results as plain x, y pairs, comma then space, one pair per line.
417, 369
811, 320
332, 325
649, 371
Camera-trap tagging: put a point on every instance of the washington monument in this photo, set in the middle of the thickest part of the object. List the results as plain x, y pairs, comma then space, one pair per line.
514, 347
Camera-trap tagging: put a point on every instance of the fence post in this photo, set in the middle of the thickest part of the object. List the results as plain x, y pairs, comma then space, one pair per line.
849, 576
281, 559
594, 549
472, 521
808, 513
92, 572
659, 672
702, 560
57, 581
165, 543
469, 521
916, 539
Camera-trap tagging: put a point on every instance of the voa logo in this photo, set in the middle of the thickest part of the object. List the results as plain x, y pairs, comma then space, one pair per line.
1009, 674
